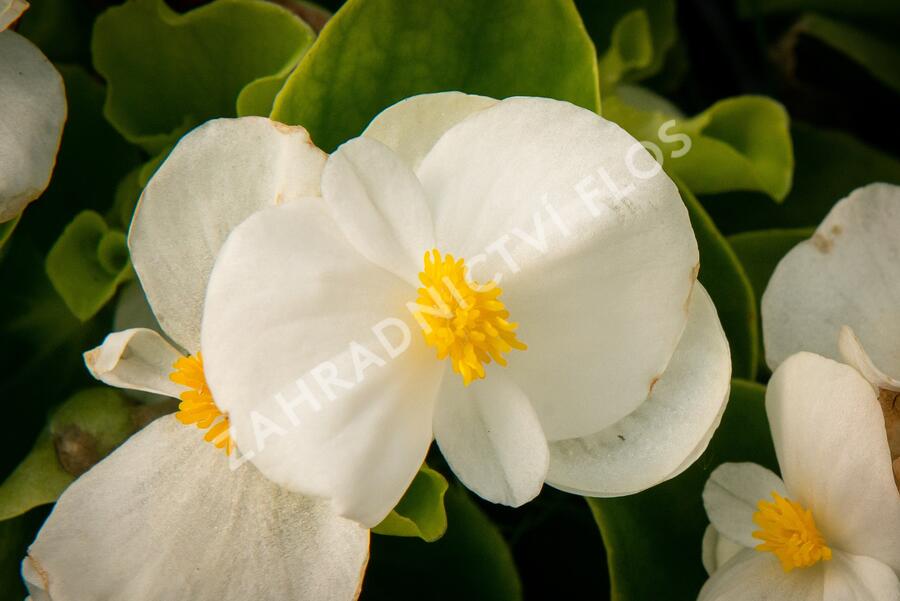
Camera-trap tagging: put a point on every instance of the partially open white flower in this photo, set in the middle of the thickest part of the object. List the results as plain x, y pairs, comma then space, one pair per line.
549, 264
838, 294
165, 516
830, 531
32, 113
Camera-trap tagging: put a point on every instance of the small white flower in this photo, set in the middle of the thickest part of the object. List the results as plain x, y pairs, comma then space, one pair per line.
552, 269
838, 295
830, 531
32, 113
164, 516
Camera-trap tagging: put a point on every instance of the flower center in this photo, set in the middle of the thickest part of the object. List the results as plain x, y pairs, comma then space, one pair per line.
197, 405
790, 532
463, 320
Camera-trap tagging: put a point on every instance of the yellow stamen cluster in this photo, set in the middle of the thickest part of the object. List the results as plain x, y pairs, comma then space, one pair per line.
790, 532
462, 320
197, 405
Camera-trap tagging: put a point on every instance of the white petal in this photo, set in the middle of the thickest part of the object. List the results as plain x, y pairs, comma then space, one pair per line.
33, 582
601, 300
756, 576
10, 10
379, 204
666, 433
164, 517
290, 298
853, 354
412, 126
856, 578
717, 549
846, 274
32, 113
137, 359
133, 310
216, 176
491, 437
731, 495
833, 452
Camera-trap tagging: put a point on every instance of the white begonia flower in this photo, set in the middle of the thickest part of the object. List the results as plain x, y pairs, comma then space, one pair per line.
838, 295
165, 516
579, 350
830, 530
32, 113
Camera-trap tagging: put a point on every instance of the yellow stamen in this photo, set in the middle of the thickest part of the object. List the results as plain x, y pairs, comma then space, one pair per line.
197, 405
461, 319
790, 532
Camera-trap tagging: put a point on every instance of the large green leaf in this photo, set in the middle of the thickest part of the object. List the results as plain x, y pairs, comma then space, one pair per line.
87, 264
421, 511
168, 72
724, 278
653, 539
471, 561
759, 253
373, 53
740, 143
82, 431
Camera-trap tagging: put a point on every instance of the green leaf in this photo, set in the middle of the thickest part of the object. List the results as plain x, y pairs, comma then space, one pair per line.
421, 511
759, 253
87, 264
84, 429
7, 228
471, 561
653, 539
879, 56
830, 165
168, 72
372, 54
723, 276
632, 37
740, 143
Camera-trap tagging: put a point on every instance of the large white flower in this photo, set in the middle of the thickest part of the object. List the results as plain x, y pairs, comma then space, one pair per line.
830, 530
165, 517
552, 269
838, 294
32, 113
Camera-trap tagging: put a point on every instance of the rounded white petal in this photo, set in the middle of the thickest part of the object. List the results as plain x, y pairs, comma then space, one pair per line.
857, 578
731, 495
717, 549
10, 10
491, 437
412, 126
755, 576
666, 433
32, 113
137, 359
833, 452
854, 355
290, 300
600, 286
164, 517
379, 204
216, 176
848, 273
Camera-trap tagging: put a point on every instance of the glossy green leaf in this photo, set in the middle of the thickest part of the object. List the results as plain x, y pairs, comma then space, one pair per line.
372, 54
632, 36
421, 511
168, 72
84, 429
87, 264
759, 252
471, 561
740, 143
879, 56
653, 539
723, 276
830, 165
